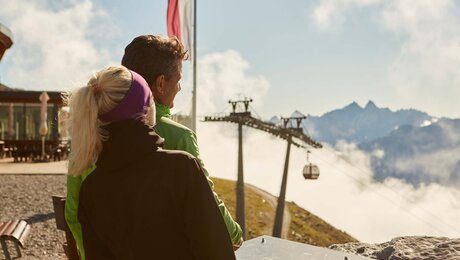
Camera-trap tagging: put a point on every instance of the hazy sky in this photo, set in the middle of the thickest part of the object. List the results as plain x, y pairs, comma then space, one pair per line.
313, 56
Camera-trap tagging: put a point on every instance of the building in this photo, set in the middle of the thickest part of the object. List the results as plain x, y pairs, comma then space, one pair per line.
20, 115
20, 121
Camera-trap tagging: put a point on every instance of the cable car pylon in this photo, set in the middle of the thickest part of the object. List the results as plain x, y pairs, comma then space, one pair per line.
240, 208
244, 118
278, 225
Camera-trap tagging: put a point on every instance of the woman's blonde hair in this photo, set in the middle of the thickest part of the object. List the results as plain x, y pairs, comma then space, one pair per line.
104, 90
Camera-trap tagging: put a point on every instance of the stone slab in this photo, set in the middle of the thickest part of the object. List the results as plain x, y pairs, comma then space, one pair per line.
271, 248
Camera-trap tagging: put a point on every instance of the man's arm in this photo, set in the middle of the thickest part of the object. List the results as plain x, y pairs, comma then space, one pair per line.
188, 143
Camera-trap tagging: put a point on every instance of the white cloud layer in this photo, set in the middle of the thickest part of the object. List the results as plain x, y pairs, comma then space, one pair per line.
440, 164
55, 43
225, 76
330, 14
345, 195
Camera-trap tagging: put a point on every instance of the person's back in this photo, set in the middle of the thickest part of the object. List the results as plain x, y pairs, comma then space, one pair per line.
149, 203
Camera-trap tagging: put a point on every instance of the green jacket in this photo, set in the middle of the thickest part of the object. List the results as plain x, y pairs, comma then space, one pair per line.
177, 137
71, 207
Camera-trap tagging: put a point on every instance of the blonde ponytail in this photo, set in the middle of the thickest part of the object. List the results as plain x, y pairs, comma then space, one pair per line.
103, 92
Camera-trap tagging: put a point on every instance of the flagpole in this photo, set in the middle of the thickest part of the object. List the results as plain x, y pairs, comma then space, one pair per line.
194, 56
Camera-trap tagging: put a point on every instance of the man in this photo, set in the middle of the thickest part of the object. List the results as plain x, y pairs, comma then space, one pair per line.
159, 60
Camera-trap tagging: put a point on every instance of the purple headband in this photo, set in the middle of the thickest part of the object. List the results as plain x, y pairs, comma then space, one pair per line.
134, 104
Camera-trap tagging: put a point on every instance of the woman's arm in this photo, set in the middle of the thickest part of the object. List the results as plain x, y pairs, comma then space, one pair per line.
71, 207
204, 225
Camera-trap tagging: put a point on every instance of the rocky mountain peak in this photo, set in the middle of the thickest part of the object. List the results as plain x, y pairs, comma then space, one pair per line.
370, 106
353, 106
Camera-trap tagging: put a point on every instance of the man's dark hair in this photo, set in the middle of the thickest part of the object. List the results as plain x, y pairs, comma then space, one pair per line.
152, 56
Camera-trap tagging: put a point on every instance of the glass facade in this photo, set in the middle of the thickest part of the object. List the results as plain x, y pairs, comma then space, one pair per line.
21, 121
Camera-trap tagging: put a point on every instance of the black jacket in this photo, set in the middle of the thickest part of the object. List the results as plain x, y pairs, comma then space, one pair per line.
143, 202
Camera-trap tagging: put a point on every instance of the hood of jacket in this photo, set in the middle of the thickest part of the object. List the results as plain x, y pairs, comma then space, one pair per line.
128, 141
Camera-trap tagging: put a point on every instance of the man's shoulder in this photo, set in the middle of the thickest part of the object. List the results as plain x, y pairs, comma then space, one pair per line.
170, 125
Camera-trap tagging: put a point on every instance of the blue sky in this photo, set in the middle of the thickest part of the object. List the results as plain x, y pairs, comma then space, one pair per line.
312, 56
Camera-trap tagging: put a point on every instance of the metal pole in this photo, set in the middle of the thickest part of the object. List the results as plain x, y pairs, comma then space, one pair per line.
43, 147
55, 125
5, 249
24, 122
278, 226
240, 215
194, 69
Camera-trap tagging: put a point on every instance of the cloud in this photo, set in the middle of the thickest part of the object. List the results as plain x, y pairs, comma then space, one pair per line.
348, 197
420, 154
330, 14
55, 44
378, 153
440, 166
431, 162
429, 56
222, 76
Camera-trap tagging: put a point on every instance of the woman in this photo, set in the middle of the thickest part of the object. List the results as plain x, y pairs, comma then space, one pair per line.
140, 202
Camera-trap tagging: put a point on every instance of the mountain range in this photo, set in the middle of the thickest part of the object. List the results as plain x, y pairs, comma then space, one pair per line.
357, 124
406, 144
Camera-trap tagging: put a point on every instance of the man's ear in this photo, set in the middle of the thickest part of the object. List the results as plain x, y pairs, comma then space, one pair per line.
159, 84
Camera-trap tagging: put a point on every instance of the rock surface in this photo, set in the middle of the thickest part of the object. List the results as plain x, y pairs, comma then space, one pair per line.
402, 248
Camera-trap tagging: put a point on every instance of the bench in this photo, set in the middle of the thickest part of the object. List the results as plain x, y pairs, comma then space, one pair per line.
70, 246
15, 231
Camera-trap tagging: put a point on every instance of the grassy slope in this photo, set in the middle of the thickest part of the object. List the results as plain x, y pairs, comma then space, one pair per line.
305, 227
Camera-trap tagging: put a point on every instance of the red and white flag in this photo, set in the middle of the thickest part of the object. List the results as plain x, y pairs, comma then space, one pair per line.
179, 21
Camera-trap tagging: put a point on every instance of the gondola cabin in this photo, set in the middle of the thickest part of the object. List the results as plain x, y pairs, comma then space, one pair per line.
311, 172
